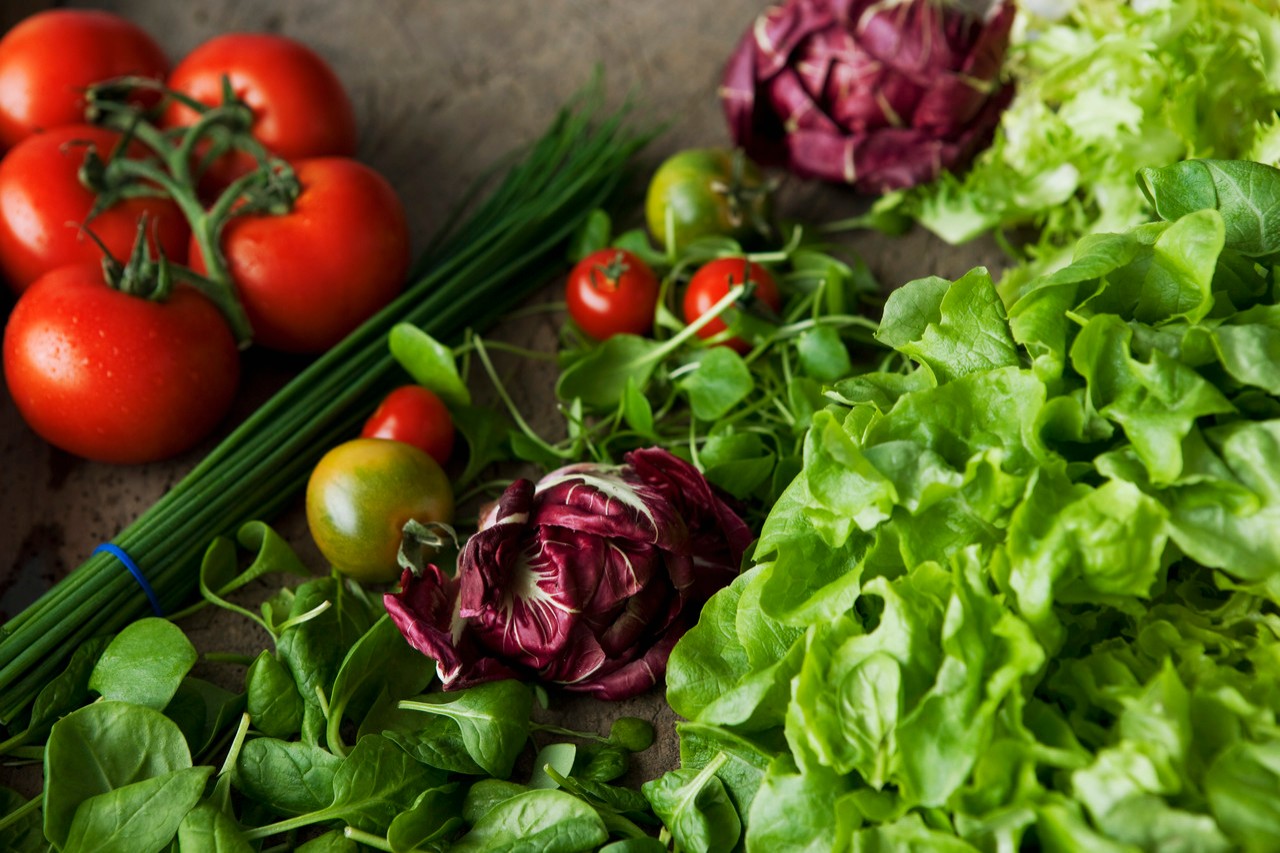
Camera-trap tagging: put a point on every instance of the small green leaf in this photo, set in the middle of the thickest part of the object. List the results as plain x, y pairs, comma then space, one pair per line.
429, 362
636, 410
695, 809
274, 704
485, 431
823, 354
632, 733
591, 237
559, 757
144, 664
434, 815
493, 717
543, 821
720, 382
600, 378
142, 816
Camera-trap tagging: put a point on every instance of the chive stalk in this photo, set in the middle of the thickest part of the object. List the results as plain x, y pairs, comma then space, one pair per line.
472, 273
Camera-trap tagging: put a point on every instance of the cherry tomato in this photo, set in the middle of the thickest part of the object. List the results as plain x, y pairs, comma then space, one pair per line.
310, 276
708, 192
42, 201
612, 292
416, 416
300, 108
712, 282
50, 58
360, 496
114, 377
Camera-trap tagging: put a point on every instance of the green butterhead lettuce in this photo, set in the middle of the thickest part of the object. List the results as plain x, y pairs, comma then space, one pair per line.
1026, 593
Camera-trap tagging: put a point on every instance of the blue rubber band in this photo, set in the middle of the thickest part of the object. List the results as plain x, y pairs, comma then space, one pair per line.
118, 552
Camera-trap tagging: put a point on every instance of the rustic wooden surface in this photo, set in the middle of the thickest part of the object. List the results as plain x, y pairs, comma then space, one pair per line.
441, 89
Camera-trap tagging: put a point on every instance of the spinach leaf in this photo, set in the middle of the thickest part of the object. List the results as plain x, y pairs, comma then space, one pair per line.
545, 821
69, 689
203, 711
144, 664
20, 832
376, 782
493, 718
485, 794
330, 842
605, 798
205, 829
272, 697
644, 844
291, 777
695, 808
435, 815
554, 759
380, 663
107, 746
744, 763
142, 816
602, 763
433, 740
313, 649
632, 733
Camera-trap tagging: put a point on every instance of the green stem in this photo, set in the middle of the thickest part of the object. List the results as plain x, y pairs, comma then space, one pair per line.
377, 842
509, 403
14, 742
19, 813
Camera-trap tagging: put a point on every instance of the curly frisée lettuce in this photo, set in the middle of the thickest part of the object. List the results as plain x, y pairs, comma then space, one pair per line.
1026, 594
1108, 88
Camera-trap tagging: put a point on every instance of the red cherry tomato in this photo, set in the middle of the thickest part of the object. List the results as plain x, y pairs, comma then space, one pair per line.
714, 280
612, 292
300, 108
49, 59
416, 416
114, 377
42, 201
308, 277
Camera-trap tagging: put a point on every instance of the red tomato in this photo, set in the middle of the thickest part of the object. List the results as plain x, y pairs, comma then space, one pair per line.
416, 416
48, 60
612, 292
308, 277
300, 108
713, 281
114, 377
42, 200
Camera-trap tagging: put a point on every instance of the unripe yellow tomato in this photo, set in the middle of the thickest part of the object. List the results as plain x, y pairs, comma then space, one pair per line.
360, 496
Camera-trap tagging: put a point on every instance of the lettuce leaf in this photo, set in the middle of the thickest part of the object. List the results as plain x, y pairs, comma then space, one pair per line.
1026, 593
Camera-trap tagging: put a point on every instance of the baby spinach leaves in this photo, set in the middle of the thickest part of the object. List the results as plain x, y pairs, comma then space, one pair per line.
120, 770
493, 718
144, 664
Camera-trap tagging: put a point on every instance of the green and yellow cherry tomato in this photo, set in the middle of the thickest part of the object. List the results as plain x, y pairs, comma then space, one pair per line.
360, 496
708, 192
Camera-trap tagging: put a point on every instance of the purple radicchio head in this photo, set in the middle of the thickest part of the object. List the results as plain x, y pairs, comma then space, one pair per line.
586, 579
880, 94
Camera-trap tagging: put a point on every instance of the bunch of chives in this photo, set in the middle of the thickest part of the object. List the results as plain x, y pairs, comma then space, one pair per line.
472, 273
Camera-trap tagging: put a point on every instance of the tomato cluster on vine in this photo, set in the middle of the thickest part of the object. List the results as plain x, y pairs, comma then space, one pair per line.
154, 221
